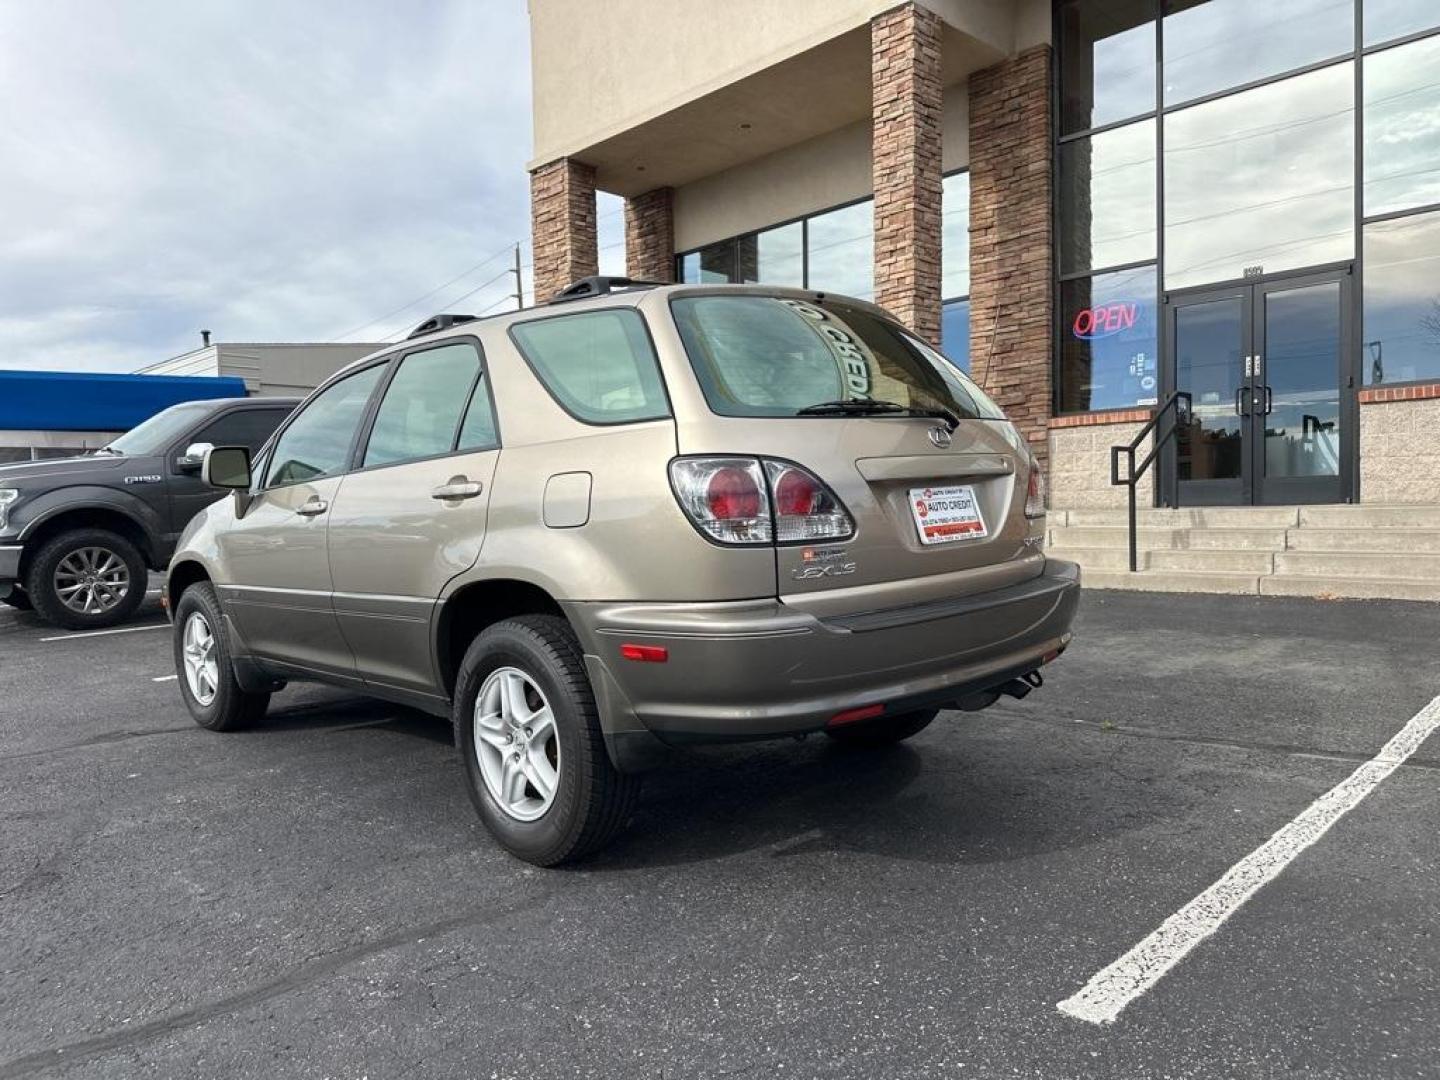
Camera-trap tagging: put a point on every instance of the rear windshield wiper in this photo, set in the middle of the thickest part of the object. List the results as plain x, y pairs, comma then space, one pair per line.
863, 407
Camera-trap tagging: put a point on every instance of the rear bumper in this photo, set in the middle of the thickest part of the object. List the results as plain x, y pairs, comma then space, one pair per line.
9, 563
760, 669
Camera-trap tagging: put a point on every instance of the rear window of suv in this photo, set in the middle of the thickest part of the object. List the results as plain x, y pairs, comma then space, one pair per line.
759, 356
599, 365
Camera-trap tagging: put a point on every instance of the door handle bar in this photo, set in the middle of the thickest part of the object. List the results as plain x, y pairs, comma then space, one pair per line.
313, 507
458, 490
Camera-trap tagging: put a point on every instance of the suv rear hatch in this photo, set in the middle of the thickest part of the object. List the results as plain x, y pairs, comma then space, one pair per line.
932, 475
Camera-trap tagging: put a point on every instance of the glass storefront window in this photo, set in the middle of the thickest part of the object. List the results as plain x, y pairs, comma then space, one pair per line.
1402, 127
1216, 45
1108, 348
1386, 20
955, 333
774, 256
1261, 181
1107, 198
713, 265
1401, 340
1107, 62
841, 252
955, 235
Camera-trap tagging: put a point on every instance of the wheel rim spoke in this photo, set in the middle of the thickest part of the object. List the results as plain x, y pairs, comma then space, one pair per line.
197, 655
516, 747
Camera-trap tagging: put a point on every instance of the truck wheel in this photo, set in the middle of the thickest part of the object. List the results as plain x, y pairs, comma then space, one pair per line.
86, 579
883, 730
202, 662
529, 734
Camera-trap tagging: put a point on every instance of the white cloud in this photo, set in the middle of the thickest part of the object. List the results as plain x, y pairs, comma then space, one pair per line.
270, 171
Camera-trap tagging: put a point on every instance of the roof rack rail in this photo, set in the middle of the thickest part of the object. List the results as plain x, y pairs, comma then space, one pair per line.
438, 322
599, 286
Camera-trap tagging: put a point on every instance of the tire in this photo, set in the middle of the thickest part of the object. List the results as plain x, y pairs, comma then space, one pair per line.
537, 657
228, 707
17, 599
883, 730
90, 565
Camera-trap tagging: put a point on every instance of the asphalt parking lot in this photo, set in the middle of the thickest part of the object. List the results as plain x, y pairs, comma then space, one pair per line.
316, 898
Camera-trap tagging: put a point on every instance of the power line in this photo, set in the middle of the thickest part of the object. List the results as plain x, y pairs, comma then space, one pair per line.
406, 307
464, 296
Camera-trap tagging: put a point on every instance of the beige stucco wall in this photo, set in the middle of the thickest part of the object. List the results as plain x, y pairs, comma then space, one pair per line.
1080, 467
1399, 449
822, 172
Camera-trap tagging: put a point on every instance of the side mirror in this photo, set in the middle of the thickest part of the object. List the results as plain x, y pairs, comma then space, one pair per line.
226, 467
193, 457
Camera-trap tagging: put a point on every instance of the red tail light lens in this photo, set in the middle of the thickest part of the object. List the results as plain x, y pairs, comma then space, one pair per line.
732, 493
757, 501
1035, 492
805, 509
796, 492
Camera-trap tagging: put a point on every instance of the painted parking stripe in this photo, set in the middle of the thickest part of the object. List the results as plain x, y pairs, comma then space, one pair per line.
102, 633
1105, 996
165, 678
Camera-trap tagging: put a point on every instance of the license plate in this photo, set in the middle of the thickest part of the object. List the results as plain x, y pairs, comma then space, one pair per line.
944, 515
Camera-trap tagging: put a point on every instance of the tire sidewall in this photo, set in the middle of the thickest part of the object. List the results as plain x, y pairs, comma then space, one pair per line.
201, 598
40, 580
512, 645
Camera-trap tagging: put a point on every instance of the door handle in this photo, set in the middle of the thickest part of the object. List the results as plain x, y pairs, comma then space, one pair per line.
458, 489
1241, 406
312, 507
1269, 402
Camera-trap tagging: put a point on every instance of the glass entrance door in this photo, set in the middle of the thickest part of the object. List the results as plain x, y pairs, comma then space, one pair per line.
1267, 368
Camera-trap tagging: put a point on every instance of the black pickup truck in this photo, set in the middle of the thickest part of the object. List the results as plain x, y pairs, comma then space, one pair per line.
78, 535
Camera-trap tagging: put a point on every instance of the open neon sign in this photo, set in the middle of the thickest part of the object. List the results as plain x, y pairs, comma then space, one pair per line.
1105, 320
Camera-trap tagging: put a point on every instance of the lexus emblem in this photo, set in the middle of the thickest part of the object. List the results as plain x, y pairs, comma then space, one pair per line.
940, 436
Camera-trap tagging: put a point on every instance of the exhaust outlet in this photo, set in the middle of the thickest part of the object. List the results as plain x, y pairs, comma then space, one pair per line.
1019, 688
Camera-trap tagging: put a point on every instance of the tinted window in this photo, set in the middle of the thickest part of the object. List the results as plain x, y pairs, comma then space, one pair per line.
1107, 62
1220, 44
1107, 198
420, 412
955, 235
763, 356
1402, 127
1389, 19
477, 431
1108, 341
841, 250
318, 442
248, 428
713, 265
1402, 299
1261, 179
955, 332
599, 364
773, 257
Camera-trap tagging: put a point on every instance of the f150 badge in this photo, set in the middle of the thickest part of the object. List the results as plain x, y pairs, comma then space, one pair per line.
143, 479
823, 562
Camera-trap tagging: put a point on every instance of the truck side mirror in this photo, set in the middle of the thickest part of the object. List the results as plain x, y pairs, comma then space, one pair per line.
226, 467
193, 457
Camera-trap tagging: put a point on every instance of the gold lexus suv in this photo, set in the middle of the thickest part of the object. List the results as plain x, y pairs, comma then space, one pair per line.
633, 518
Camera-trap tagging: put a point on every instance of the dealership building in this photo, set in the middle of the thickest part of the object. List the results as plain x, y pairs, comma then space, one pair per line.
1091, 204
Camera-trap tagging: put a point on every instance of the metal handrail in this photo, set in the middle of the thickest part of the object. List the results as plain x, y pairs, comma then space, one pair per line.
1181, 403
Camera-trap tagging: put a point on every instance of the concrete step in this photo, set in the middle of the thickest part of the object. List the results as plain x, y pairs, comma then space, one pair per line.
1210, 517
1370, 517
1173, 581
1100, 536
1200, 559
1419, 541
1349, 588
1108, 558
1356, 564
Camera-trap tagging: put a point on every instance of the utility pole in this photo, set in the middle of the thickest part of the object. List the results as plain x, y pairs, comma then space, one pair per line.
519, 292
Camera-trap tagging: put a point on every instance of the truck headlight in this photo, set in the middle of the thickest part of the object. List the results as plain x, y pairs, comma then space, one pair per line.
7, 496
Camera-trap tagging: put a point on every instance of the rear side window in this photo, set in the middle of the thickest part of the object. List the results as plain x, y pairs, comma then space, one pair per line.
317, 443
421, 410
599, 365
248, 428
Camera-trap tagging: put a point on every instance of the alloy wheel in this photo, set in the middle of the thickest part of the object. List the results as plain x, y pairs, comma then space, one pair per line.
202, 670
92, 580
516, 744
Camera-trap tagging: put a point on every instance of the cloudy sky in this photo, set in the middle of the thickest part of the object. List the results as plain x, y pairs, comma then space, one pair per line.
272, 171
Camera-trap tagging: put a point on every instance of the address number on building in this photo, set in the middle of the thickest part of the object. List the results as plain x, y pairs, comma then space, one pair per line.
944, 515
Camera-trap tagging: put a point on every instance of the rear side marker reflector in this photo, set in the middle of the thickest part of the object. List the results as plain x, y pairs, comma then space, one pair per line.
654, 654
850, 716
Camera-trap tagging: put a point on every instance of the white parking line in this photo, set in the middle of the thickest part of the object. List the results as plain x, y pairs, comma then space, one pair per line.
165, 678
1103, 998
102, 633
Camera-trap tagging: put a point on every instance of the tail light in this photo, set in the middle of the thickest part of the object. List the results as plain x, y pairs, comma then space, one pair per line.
1035, 492
757, 501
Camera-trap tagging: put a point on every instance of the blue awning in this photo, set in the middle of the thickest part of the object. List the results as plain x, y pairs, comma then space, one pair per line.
81, 401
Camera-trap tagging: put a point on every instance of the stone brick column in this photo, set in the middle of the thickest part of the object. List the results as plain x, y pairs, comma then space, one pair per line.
1011, 293
562, 225
905, 156
650, 235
